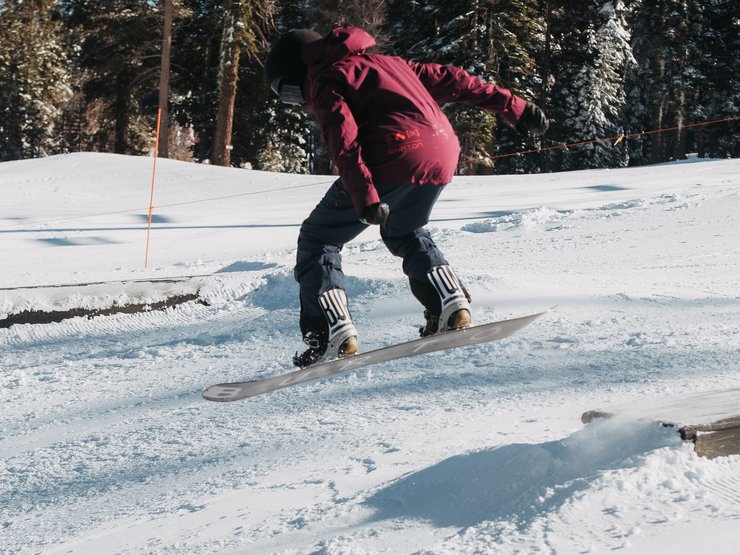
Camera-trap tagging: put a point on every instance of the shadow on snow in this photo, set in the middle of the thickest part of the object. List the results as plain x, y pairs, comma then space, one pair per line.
518, 482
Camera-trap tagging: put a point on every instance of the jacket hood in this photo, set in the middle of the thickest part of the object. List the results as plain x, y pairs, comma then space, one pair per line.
339, 43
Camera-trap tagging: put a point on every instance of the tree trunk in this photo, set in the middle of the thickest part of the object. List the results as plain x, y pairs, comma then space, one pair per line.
679, 147
657, 146
545, 70
164, 81
228, 76
121, 111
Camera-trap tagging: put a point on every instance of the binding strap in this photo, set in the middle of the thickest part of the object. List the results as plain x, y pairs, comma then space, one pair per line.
334, 304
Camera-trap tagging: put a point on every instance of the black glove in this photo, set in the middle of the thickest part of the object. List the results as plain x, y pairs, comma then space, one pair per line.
533, 121
375, 214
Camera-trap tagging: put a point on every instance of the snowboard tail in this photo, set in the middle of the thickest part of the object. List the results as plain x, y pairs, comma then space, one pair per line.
226, 392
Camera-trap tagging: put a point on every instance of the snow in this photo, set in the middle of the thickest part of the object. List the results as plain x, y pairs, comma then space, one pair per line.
107, 447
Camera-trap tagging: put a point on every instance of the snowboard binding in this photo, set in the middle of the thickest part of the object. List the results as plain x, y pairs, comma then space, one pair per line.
331, 336
447, 302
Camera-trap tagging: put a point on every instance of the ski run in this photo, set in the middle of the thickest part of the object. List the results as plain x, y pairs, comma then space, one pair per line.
106, 445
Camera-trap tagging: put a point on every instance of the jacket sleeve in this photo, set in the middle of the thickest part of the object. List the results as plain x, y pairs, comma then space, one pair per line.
452, 84
339, 129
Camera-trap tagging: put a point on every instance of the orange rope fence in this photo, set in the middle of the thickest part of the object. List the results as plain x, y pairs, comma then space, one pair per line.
618, 139
170, 205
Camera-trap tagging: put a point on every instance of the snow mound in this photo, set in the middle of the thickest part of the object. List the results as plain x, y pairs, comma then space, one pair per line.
541, 217
520, 482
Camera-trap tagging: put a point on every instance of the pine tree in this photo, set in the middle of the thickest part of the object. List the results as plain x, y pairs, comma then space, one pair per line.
34, 83
497, 40
717, 39
679, 88
289, 140
665, 85
588, 95
574, 52
119, 53
369, 15
242, 32
197, 40
575, 63
201, 61
520, 36
164, 78
639, 84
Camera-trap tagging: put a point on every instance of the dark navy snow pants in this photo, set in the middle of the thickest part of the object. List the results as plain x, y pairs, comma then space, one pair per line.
334, 222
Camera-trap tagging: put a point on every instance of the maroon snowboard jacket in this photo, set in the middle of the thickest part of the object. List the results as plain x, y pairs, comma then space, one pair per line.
380, 115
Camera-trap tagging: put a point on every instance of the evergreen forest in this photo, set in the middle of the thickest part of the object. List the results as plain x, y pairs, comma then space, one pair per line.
623, 82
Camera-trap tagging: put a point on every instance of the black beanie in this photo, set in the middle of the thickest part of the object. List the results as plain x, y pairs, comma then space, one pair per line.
284, 59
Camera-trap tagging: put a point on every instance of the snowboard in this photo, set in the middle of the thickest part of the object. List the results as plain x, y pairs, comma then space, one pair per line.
474, 335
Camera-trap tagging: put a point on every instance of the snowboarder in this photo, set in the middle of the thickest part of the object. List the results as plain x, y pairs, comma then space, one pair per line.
395, 151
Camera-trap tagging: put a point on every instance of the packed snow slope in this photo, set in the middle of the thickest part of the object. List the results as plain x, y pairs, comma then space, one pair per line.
107, 447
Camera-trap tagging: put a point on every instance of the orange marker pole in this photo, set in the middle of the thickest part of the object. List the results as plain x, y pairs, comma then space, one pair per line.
151, 197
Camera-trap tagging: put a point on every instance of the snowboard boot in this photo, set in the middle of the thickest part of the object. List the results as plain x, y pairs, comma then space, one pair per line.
446, 301
331, 336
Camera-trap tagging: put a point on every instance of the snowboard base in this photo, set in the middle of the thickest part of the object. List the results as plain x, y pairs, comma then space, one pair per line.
226, 392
